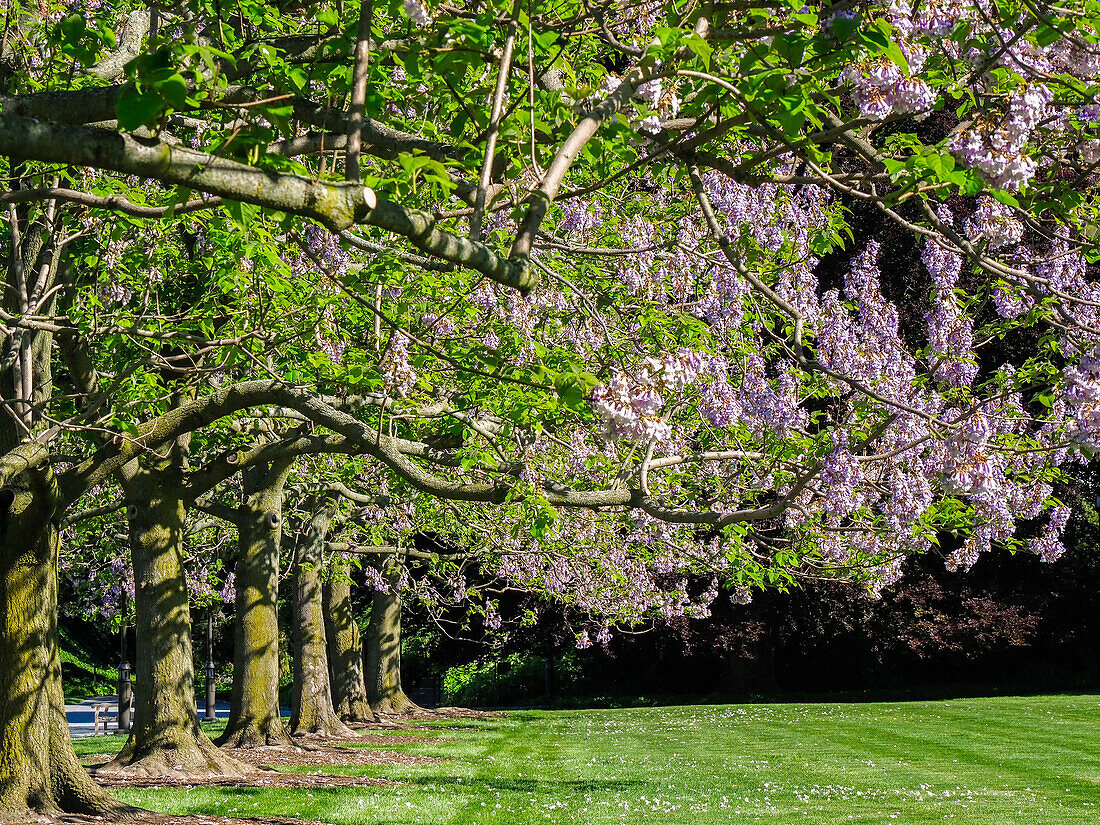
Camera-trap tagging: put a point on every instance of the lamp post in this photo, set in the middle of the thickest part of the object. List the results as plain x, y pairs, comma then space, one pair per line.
125, 688
211, 685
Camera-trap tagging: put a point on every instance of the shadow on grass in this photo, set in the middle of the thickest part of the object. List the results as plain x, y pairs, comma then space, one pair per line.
444, 783
546, 787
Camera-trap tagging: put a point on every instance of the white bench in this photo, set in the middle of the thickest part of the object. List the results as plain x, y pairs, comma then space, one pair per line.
102, 713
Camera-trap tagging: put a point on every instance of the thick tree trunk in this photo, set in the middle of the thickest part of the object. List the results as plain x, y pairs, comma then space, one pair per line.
383, 659
312, 712
166, 739
39, 770
345, 649
254, 719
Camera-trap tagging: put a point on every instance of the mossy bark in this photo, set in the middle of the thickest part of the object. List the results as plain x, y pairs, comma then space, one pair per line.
345, 649
39, 770
383, 657
254, 719
312, 713
165, 739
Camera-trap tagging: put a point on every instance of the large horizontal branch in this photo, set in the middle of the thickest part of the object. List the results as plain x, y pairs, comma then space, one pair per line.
231, 462
27, 456
154, 434
376, 549
336, 205
70, 107
352, 436
93, 512
220, 511
334, 489
97, 105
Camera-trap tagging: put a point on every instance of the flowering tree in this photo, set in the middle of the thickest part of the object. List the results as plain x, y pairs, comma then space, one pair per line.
784, 289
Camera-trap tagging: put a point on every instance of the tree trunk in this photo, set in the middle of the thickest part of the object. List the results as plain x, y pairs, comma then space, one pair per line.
39, 770
345, 649
312, 712
165, 739
384, 647
254, 719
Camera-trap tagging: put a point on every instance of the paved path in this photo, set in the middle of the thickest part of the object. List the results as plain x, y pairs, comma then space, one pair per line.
82, 717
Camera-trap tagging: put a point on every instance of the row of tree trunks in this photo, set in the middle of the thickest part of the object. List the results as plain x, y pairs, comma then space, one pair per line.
39, 770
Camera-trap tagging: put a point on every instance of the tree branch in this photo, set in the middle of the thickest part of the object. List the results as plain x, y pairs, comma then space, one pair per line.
336, 205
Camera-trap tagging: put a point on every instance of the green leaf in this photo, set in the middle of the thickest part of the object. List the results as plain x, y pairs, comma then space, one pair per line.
792, 113
893, 166
893, 51
242, 214
1046, 35
173, 89
298, 78
844, 27
135, 109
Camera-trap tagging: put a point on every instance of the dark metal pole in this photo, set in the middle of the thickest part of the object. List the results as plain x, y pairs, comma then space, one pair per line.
125, 688
211, 684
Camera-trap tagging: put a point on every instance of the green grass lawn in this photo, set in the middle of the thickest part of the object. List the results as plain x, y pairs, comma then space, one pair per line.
1032, 761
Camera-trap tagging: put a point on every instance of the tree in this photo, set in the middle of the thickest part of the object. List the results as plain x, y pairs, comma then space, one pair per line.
630, 282
383, 651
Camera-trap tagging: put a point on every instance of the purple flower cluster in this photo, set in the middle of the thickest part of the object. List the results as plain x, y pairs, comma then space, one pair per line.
868, 347
631, 408
325, 249
880, 89
1048, 546
417, 11
1011, 301
1081, 395
397, 371
842, 479
579, 217
994, 222
997, 147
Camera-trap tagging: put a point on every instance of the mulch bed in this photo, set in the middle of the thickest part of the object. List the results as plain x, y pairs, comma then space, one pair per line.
150, 818
271, 764
328, 756
313, 752
260, 779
